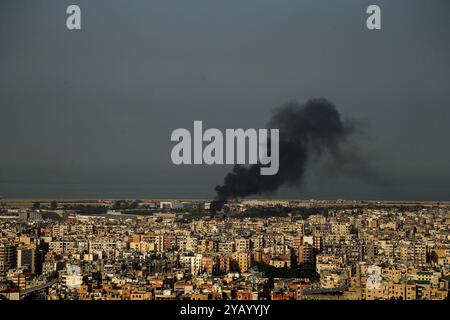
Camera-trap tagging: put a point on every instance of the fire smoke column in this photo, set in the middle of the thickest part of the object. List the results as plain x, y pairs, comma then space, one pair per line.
313, 128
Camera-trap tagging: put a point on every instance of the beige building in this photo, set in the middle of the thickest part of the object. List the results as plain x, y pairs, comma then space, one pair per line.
244, 260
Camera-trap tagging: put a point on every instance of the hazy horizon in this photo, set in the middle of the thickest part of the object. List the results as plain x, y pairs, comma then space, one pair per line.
88, 114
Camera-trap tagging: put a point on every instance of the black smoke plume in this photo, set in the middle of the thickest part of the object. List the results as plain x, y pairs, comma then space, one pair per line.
306, 132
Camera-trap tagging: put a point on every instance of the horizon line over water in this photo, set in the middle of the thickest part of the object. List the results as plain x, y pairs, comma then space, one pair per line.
181, 191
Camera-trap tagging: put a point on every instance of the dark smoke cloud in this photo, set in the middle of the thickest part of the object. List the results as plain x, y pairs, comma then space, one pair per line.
307, 132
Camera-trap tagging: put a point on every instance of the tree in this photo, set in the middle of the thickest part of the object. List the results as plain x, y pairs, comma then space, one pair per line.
433, 257
53, 205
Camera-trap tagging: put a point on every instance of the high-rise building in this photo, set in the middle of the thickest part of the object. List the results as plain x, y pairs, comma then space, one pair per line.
244, 260
242, 245
305, 254
8, 258
26, 258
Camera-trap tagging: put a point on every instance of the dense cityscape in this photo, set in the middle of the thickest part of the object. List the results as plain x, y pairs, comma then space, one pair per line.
251, 250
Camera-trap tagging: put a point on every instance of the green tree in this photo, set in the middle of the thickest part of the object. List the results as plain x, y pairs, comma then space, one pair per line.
53, 205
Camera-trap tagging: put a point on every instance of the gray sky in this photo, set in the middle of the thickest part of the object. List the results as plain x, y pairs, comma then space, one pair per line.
90, 113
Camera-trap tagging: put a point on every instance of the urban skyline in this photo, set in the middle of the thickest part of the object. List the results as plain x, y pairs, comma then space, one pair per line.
226, 156
250, 250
